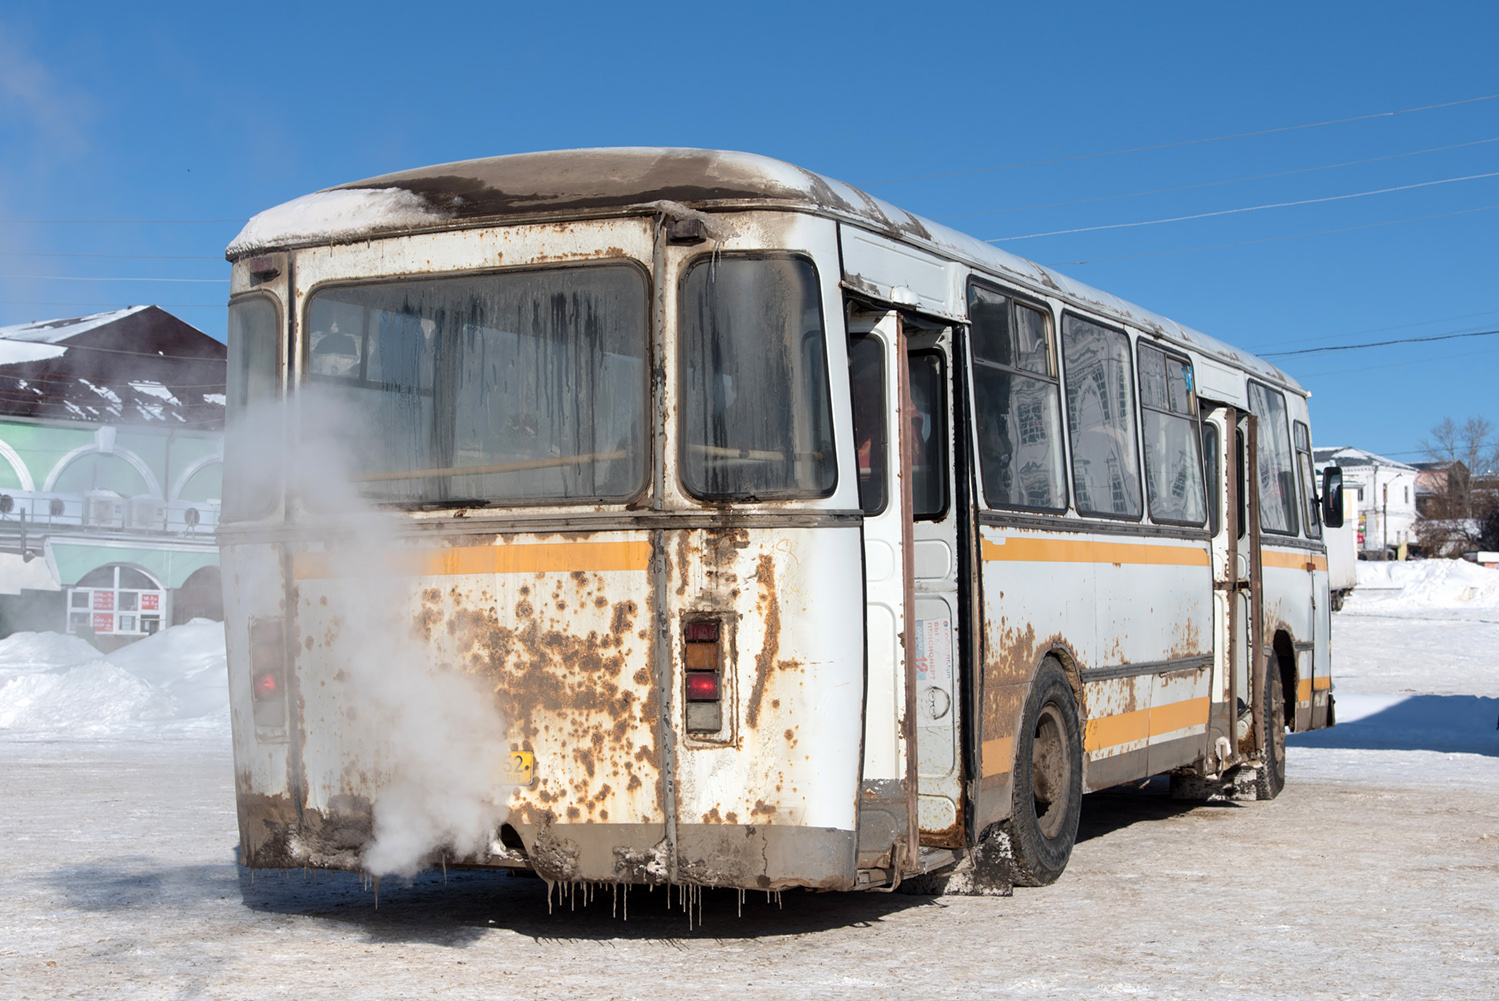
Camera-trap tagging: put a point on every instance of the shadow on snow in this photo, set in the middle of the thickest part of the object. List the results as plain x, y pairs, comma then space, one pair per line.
1447, 723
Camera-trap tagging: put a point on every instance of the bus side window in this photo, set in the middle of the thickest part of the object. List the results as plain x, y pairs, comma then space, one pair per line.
928, 435
1273, 461
1016, 403
866, 376
1313, 514
1168, 415
1101, 419
1213, 460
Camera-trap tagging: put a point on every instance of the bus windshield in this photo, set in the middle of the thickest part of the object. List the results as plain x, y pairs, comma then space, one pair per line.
519, 387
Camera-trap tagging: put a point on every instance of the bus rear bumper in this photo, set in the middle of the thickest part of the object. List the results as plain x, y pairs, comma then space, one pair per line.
275, 835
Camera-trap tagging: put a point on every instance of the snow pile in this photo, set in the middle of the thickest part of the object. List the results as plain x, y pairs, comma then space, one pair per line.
174, 682
1421, 587
337, 215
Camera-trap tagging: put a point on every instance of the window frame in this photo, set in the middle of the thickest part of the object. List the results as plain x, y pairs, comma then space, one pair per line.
1054, 359
230, 511
684, 270
1195, 417
942, 416
303, 376
882, 350
1312, 516
1131, 380
1295, 529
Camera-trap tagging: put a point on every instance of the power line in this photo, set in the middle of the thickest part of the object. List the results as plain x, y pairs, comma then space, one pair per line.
1183, 142
77, 278
1380, 344
1380, 330
116, 305
1213, 184
1272, 239
1399, 364
1247, 208
122, 222
119, 257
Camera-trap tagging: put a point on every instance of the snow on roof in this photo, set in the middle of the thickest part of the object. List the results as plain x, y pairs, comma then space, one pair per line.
585, 183
58, 331
1347, 455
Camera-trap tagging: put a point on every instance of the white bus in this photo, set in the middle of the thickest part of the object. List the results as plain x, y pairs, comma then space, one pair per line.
801, 541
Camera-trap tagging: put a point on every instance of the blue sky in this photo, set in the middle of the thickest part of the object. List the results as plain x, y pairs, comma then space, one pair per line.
206, 112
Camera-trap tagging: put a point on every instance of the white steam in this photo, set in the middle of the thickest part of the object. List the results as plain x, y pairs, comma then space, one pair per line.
429, 737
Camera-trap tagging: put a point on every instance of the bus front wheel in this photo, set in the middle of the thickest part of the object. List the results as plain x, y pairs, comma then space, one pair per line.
1271, 778
1048, 780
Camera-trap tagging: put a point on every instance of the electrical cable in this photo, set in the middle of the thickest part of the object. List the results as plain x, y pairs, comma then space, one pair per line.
1271, 239
1247, 208
1214, 184
1183, 142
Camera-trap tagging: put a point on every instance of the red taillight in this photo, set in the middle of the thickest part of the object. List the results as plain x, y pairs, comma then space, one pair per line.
702, 686
268, 675
267, 686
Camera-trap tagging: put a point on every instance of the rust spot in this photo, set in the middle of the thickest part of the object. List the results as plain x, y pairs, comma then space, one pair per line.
712, 817
624, 611
600, 601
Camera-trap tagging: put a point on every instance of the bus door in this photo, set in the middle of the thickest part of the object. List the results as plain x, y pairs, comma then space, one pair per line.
900, 378
1229, 457
934, 518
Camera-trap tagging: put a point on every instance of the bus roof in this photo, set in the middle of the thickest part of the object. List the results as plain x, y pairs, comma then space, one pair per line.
584, 183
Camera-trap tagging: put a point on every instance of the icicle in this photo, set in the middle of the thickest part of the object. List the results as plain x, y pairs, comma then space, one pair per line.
614, 903
377, 893
626, 903
549, 896
444, 870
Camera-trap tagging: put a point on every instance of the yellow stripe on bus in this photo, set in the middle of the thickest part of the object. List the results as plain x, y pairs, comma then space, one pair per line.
1141, 724
1292, 561
550, 557
1025, 550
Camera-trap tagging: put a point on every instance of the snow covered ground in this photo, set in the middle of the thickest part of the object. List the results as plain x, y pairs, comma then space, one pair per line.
1376, 873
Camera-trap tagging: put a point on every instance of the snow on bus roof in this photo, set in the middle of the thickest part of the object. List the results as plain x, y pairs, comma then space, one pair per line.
581, 183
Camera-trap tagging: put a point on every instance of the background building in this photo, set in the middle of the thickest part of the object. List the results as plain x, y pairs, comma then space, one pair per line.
1384, 497
111, 446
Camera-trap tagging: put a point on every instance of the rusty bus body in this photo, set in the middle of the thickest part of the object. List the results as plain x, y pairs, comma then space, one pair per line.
880, 566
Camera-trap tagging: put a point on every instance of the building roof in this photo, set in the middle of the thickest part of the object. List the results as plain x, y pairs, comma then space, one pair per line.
588, 183
135, 366
1348, 456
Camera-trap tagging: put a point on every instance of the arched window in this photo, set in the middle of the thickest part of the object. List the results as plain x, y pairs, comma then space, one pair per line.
116, 599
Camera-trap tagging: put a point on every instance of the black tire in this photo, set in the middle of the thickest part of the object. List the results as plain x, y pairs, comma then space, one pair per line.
1048, 780
1272, 775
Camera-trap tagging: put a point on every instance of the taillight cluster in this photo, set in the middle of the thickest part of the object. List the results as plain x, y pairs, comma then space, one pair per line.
268, 674
703, 685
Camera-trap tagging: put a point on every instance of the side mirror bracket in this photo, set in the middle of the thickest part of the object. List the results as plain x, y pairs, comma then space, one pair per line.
1332, 497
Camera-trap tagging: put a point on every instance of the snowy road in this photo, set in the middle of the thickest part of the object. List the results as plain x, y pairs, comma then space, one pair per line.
1376, 874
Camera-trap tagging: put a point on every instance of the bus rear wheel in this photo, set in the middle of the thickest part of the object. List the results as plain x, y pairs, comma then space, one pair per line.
1048, 780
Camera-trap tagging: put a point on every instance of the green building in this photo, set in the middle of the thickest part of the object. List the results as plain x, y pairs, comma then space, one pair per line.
111, 446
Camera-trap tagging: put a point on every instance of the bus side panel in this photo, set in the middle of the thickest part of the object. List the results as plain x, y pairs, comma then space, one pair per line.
1032, 606
1155, 608
1322, 651
559, 628
1288, 609
771, 799
254, 591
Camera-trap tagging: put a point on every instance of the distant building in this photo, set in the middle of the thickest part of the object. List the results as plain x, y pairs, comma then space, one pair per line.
1384, 497
111, 446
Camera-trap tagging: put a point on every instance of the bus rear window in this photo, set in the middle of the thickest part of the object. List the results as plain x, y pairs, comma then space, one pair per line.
756, 418
252, 485
520, 387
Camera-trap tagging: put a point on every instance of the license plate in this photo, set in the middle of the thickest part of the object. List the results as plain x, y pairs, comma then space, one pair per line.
520, 770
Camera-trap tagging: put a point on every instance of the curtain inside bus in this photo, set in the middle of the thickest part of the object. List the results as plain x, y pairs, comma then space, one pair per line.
521, 387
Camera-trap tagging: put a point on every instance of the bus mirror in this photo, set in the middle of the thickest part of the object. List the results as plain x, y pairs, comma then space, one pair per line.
1332, 497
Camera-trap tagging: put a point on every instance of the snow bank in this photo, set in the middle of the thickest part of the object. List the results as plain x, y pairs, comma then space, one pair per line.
338, 215
175, 682
1423, 586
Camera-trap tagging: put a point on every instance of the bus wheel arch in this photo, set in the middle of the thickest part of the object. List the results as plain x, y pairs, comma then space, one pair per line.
1284, 650
1048, 778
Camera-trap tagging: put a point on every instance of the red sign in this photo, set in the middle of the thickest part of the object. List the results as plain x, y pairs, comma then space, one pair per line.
104, 622
104, 601
150, 602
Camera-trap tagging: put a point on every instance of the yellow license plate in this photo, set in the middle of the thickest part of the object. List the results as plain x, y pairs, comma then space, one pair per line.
520, 769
